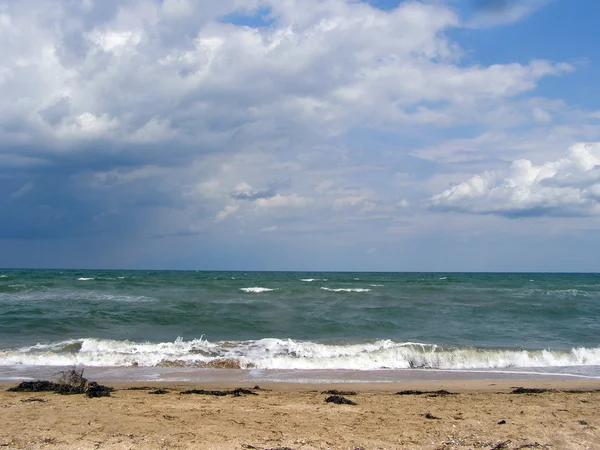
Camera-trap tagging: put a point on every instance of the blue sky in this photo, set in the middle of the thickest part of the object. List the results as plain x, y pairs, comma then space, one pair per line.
448, 135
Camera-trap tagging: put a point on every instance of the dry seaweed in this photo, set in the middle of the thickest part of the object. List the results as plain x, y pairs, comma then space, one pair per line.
159, 391
235, 392
440, 392
252, 447
522, 390
97, 390
336, 392
35, 386
339, 400
70, 382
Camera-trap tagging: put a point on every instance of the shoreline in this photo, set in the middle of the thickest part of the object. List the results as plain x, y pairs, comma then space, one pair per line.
455, 386
302, 377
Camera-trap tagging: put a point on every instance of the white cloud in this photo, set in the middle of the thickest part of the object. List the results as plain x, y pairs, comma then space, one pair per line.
226, 212
283, 201
502, 12
334, 121
541, 115
172, 70
566, 187
115, 42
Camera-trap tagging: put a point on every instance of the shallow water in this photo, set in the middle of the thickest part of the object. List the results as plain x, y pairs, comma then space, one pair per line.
369, 322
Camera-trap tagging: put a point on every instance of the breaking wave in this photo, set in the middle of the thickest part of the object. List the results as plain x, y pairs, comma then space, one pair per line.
256, 290
346, 289
289, 354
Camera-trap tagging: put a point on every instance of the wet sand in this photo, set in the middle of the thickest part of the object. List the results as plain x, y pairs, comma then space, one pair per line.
482, 414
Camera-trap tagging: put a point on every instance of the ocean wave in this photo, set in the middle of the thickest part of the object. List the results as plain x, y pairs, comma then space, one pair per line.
84, 279
346, 289
256, 290
42, 294
309, 280
561, 293
289, 354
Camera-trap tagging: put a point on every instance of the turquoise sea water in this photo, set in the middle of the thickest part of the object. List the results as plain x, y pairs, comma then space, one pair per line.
300, 320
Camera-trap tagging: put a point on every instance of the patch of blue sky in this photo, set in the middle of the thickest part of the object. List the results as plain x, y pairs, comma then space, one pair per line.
385, 5
560, 32
258, 18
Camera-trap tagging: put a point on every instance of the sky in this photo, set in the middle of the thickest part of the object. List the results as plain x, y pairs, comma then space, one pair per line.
374, 135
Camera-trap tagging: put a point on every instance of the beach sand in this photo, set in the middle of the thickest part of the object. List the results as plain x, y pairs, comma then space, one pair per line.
482, 415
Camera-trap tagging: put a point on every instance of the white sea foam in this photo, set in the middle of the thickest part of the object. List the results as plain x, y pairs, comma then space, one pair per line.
84, 279
309, 280
3, 276
346, 289
256, 290
376, 285
560, 293
442, 278
291, 354
66, 295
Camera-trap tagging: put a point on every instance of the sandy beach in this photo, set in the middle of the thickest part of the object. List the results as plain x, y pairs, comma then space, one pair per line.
478, 414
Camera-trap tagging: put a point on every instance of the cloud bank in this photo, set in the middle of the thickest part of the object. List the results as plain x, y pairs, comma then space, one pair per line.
139, 122
567, 187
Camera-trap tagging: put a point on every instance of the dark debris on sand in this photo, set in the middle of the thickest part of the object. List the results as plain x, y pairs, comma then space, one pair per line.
522, 390
35, 386
70, 382
431, 416
159, 391
336, 392
252, 447
438, 393
339, 400
235, 392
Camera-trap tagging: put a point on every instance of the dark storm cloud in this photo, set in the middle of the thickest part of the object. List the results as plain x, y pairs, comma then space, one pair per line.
65, 199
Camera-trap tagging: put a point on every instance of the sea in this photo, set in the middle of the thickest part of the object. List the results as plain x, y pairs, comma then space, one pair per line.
299, 326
